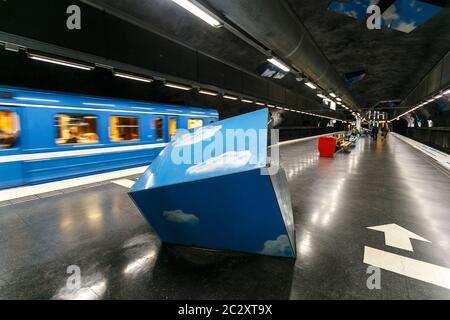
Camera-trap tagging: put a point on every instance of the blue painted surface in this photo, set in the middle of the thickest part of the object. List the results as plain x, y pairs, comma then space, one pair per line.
37, 111
231, 206
403, 15
164, 172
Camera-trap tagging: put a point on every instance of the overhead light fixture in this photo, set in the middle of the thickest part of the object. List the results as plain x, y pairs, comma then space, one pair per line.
333, 95
208, 93
60, 62
226, 96
339, 99
260, 103
132, 77
177, 86
279, 64
200, 13
36, 99
333, 105
446, 92
247, 101
311, 85
438, 96
280, 108
271, 106
321, 96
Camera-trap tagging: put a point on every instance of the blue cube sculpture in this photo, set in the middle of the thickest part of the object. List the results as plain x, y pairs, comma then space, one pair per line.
209, 188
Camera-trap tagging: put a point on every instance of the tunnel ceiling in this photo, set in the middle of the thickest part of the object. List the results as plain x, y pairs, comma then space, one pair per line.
394, 61
168, 19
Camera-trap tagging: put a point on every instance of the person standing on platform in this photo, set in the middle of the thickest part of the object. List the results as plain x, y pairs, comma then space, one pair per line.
385, 131
375, 131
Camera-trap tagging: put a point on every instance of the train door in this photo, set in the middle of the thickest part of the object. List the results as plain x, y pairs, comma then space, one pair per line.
157, 129
172, 127
11, 162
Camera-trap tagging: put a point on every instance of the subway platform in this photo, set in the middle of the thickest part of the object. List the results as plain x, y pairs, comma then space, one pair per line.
335, 201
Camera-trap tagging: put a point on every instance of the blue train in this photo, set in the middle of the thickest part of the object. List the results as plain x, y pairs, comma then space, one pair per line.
48, 136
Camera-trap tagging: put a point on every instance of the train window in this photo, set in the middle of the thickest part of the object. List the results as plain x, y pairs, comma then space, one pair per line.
124, 129
76, 129
9, 129
195, 123
159, 127
172, 127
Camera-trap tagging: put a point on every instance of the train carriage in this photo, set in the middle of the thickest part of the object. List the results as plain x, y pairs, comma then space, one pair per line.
47, 136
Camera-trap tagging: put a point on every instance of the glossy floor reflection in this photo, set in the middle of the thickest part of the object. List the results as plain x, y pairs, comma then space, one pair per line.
334, 202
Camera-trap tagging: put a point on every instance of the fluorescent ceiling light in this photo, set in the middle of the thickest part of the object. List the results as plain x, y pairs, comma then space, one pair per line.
333, 105
279, 108
311, 85
230, 97
98, 104
209, 93
339, 103
260, 103
177, 86
279, 64
247, 101
333, 95
132, 77
321, 96
192, 8
271, 106
446, 92
60, 62
339, 99
36, 99
438, 96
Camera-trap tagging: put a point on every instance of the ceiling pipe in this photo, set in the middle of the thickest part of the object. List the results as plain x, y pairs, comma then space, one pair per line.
273, 24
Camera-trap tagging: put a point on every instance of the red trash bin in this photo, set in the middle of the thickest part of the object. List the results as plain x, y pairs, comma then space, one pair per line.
327, 147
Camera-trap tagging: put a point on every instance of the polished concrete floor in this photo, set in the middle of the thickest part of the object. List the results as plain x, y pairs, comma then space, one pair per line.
334, 201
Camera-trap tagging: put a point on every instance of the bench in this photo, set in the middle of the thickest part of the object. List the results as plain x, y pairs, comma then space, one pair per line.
344, 145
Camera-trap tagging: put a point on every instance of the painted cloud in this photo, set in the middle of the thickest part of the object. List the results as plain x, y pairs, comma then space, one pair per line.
178, 216
279, 247
226, 161
402, 15
198, 135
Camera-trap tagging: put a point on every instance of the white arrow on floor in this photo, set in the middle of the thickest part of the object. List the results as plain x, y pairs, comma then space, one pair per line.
408, 267
398, 237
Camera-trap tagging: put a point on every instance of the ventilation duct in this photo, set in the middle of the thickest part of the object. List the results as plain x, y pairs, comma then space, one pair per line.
272, 23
